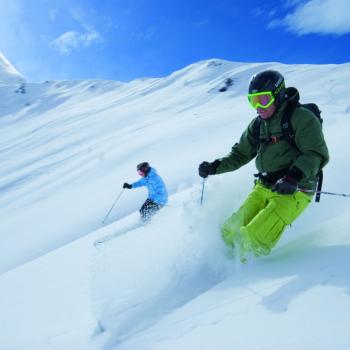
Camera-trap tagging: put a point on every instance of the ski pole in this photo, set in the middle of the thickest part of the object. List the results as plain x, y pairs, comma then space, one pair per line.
323, 192
115, 202
202, 194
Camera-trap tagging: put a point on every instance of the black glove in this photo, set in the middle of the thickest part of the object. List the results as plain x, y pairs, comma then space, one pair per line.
285, 185
207, 168
126, 185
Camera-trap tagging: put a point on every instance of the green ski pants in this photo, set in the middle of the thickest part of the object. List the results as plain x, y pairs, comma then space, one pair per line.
258, 224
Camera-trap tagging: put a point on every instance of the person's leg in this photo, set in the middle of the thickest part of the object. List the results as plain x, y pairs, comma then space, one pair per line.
255, 202
262, 233
148, 209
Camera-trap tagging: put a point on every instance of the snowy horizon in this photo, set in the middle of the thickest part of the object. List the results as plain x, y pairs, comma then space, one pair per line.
66, 149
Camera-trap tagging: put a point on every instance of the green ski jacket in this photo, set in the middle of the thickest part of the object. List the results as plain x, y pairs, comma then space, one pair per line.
276, 158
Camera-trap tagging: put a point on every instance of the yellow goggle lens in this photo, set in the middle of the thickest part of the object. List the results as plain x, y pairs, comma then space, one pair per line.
261, 99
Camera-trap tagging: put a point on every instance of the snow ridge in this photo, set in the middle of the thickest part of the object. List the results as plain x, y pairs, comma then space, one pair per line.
8, 73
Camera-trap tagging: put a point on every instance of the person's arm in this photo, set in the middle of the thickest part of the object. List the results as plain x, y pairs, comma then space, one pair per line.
242, 152
310, 142
141, 182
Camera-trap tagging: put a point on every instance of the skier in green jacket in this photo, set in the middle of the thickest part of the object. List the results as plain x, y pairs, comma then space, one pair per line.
288, 172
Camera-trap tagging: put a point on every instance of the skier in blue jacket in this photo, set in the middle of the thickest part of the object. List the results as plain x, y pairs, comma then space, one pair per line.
157, 193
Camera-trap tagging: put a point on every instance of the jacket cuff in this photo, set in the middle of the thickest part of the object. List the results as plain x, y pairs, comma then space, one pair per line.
295, 173
216, 164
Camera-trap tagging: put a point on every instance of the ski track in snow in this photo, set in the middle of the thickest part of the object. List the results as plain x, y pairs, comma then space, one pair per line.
187, 260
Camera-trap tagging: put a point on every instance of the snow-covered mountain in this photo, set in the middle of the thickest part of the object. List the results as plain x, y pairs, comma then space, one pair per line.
66, 148
8, 73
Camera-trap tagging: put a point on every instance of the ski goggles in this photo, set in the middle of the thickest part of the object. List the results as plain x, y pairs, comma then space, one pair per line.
261, 99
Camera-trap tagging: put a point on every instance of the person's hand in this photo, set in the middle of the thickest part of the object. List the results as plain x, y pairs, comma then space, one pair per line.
126, 185
285, 185
206, 168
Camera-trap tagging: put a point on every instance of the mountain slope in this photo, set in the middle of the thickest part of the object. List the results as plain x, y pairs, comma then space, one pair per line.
8, 73
67, 147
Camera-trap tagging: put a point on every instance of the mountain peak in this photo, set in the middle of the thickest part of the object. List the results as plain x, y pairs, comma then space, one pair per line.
8, 73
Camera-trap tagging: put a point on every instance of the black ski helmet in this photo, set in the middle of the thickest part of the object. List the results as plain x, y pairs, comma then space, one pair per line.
269, 80
144, 167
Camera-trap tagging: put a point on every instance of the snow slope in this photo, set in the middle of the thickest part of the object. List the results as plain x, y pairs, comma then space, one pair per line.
67, 147
8, 73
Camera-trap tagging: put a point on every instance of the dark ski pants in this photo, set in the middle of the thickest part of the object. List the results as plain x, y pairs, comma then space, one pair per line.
148, 209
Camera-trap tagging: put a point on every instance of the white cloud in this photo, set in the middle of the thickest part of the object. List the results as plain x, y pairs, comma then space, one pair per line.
292, 3
318, 16
73, 40
53, 15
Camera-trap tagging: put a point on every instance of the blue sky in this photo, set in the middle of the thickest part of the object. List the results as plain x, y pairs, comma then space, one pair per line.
127, 39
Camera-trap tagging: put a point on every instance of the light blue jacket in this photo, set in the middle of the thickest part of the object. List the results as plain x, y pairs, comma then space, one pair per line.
156, 187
